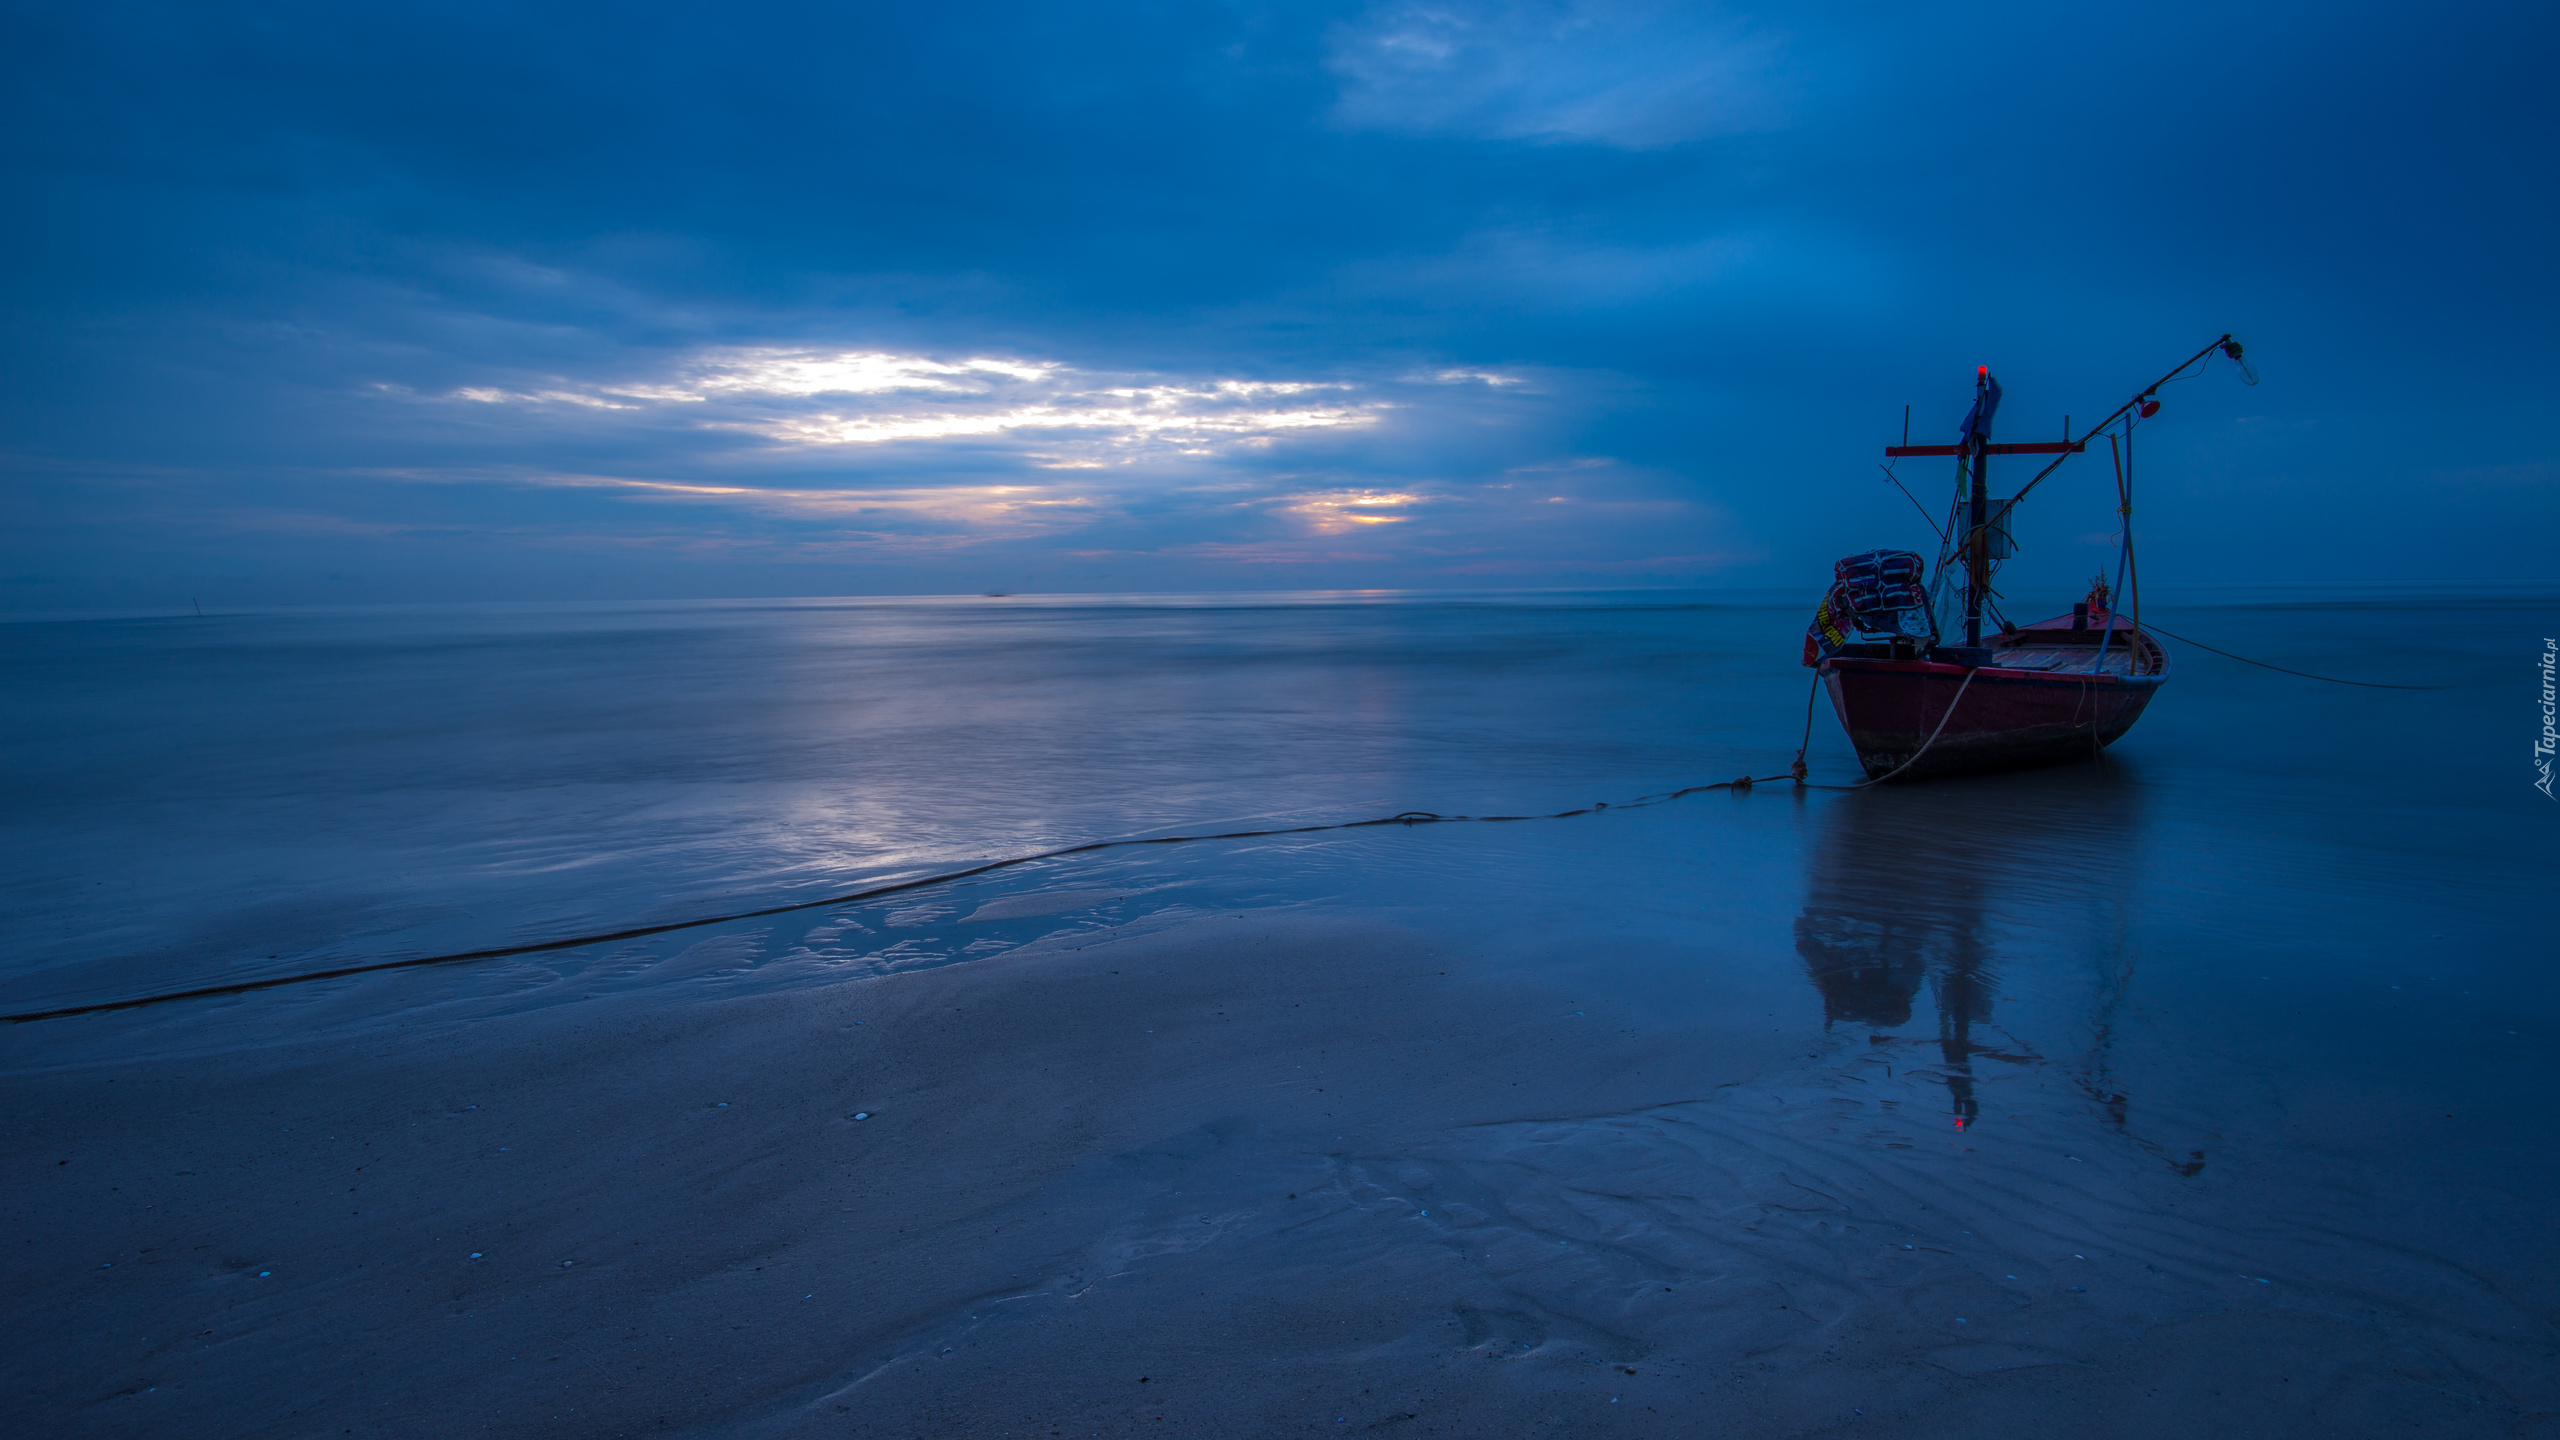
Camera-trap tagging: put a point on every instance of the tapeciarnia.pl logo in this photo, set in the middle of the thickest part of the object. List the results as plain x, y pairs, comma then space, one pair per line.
2542, 746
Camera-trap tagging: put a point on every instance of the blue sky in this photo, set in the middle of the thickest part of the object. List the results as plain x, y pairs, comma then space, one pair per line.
326, 303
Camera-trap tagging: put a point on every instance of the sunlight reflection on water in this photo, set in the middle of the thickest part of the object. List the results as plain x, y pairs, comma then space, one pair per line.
195, 802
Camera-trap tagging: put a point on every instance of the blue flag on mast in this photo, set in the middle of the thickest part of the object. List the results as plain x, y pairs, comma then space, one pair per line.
1986, 403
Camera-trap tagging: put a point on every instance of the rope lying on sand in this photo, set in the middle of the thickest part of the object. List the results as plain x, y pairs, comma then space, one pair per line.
572, 942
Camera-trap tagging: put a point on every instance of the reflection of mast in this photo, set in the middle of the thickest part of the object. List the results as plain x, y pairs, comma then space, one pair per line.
1964, 995
1903, 889
1963, 979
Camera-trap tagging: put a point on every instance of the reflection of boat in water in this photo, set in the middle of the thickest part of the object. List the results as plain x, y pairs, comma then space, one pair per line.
1908, 896
2058, 689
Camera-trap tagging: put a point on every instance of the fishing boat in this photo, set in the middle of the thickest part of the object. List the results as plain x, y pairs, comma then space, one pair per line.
2058, 689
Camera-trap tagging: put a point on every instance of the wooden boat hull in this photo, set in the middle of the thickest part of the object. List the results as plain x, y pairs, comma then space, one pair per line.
2008, 717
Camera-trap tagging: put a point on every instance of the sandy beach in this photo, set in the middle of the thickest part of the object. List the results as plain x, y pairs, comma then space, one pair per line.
1247, 1175
1480, 719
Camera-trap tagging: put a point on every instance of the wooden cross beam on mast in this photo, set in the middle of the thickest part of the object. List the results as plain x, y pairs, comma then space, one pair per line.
2048, 447
1976, 449
1977, 545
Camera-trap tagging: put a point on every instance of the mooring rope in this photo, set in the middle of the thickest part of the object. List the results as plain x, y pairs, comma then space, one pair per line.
2305, 674
1800, 772
1407, 818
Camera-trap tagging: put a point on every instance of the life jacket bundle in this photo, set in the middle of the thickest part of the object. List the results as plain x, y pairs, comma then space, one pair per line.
1882, 592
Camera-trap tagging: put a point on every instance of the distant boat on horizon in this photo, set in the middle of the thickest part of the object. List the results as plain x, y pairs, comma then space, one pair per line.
2054, 690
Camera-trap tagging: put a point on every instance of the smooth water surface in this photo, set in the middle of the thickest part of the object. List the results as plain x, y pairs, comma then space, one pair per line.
2247, 1023
193, 801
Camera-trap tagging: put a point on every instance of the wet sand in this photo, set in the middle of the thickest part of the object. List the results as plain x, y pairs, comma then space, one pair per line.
1253, 1174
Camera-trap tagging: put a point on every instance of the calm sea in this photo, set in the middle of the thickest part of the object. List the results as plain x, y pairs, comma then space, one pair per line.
196, 800
2253, 1015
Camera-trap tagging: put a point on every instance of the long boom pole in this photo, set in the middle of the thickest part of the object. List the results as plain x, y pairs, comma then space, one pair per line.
2112, 418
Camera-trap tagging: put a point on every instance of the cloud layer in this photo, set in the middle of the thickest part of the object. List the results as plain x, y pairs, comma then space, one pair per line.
403, 301
1633, 75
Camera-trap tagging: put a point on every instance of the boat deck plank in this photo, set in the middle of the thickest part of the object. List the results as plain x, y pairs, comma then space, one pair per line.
2117, 661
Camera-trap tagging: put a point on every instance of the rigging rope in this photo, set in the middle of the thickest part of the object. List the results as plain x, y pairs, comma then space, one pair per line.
1915, 503
2305, 674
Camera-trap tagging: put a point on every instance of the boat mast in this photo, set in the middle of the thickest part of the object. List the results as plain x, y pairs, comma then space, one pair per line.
1973, 449
1977, 547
